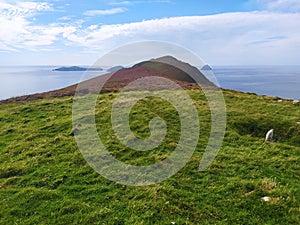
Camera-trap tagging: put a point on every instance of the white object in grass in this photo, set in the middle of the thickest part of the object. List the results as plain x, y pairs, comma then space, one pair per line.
266, 198
270, 135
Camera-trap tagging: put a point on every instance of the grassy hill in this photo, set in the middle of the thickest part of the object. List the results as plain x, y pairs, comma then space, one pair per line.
45, 180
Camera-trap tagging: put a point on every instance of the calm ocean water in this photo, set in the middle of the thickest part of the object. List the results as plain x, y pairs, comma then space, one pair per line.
23, 80
282, 81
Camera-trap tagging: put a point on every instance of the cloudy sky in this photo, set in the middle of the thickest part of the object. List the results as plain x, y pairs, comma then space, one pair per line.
221, 32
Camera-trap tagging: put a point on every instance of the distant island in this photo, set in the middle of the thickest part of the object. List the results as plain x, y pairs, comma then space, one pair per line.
206, 67
77, 68
115, 68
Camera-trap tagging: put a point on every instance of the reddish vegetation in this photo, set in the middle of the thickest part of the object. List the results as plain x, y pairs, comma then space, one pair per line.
119, 80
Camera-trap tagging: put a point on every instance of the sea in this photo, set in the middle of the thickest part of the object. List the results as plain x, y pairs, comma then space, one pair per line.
281, 81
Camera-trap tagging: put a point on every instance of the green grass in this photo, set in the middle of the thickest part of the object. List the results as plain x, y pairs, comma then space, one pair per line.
44, 179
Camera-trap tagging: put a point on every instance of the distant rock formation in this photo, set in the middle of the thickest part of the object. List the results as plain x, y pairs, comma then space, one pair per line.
206, 67
115, 68
77, 68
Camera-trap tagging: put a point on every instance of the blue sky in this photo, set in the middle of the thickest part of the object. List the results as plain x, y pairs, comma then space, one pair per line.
134, 11
222, 32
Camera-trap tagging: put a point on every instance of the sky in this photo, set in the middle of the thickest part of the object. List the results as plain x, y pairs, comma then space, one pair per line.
221, 32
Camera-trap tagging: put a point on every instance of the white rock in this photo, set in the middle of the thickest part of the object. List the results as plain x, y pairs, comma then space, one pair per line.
280, 100
172, 222
270, 135
266, 198
296, 101
298, 123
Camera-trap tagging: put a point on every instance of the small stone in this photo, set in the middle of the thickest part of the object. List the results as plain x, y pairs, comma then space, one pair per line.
280, 100
296, 102
173, 223
298, 123
270, 135
266, 198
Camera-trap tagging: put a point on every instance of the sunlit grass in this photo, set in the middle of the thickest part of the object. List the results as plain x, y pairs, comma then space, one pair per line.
45, 180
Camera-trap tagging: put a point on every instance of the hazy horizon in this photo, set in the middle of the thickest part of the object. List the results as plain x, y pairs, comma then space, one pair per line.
86, 65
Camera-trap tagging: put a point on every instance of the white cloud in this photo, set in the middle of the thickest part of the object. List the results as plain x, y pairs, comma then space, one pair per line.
19, 32
139, 2
229, 38
22, 9
122, 3
288, 5
223, 38
104, 12
65, 18
280, 5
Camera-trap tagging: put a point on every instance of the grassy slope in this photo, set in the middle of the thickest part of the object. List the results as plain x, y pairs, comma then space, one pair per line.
45, 180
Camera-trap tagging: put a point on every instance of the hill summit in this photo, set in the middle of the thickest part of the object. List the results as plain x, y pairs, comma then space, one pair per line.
168, 67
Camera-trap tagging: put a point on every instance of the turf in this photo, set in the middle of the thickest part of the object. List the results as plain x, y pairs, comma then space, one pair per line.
44, 179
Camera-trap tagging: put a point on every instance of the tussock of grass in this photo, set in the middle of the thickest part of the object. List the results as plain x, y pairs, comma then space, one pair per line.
45, 180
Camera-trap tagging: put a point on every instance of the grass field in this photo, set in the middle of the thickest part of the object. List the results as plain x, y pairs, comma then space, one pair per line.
44, 179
